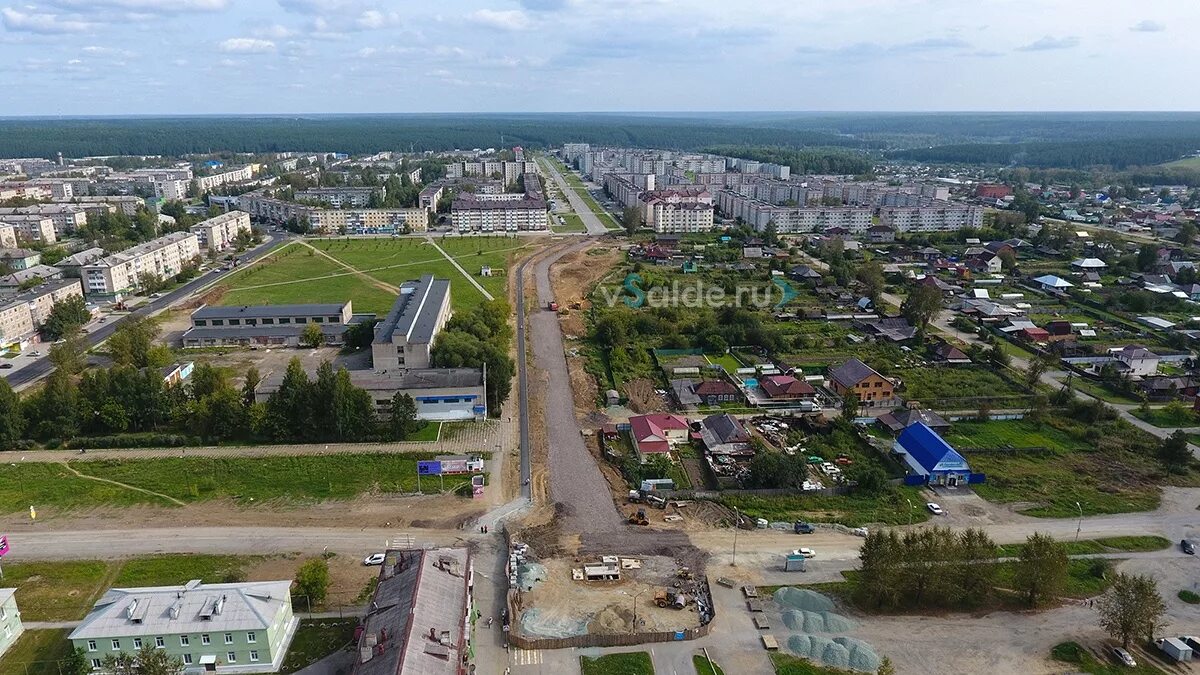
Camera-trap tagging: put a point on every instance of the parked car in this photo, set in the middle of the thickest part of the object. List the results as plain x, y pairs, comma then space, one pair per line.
1187, 546
1124, 657
808, 553
374, 559
5, 366
935, 509
804, 528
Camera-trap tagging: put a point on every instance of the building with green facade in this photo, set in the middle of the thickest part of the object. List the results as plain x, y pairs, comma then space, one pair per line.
223, 628
10, 619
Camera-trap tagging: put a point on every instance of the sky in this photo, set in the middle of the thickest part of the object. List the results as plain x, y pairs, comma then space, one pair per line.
149, 57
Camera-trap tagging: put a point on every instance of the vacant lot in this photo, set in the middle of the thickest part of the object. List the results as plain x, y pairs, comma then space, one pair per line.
37, 652
851, 510
317, 638
944, 386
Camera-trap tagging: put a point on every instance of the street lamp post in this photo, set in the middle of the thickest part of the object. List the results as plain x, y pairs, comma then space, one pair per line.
736, 522
635, 597
910, 510
1079, 526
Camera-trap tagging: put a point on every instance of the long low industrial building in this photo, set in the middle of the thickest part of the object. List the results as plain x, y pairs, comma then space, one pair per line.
441, 394
269, 325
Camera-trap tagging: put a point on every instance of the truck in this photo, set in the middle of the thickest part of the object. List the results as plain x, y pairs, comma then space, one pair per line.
1175, 648
552, 306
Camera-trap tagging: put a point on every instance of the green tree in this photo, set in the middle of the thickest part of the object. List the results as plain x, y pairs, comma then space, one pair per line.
1041, 569
880, 581
921, 306
149, 660
1008, 259
132, 344
289, 409
66, 317
75, 663
312, 582
12, 421
870, 480
1173, 452
1033, 373
70, 355
850, 405
631, 219
312, 336
403, 419
886, 667
1131, 608
249, 385
870, 275
974, 575
353, 410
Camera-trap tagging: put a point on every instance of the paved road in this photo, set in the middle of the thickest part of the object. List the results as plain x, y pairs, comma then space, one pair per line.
575, 479
590, 220
41, 367
523, 384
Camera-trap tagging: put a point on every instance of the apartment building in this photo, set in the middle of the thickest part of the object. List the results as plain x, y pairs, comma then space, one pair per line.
60, 190
677, 210
32, 227
126, 204
504, 170
341, 197
66, 218
792, 219
404, 339
238, 175
8, 236
225, 628
23, 313
171, 189
502, 212
263, 207
24, 190
572, 151
368, 221
429, 197
219, 233
10, 619
20, 258
119, 273
937, 217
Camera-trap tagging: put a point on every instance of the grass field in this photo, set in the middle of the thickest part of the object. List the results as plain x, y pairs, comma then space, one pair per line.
632, 663
1169, 417
703, 667
571, 223
315, 639
1185, 163
297, 274
786, 664
966, 435
1105, 545
928, 385
36, 652
849, 510
53, 485
726, 361
160, 570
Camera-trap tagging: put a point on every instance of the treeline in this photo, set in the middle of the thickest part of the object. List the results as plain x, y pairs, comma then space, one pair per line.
131, 404
808, 160
480, 338
1121, 153
372, 133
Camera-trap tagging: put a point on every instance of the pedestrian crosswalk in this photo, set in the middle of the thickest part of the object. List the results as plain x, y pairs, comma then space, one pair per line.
527, 657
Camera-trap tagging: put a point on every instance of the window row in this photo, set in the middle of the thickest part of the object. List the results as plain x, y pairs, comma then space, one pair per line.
184, 641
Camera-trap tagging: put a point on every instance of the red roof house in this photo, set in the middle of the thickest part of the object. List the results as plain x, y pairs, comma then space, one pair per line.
786, 387
657, 433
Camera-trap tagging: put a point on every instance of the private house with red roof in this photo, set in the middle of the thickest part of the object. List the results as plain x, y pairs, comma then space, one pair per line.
657, 433
786, 388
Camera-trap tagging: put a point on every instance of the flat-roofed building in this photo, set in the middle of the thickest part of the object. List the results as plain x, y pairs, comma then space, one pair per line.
429, 196
263, 207
20, 258
937, 217
120, 273
419, 616
219, 233
127, 204
368, 221
269, 325
404, 339
32, 227
340, 197
503, 212
238, 175
225, 628
66, 218
22, 314
441, 394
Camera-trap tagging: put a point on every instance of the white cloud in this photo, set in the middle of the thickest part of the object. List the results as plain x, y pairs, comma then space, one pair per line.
1050, 43
247, 46
373, 19
1147, 26
144, 6
273, 32
34, 20
510, 19
318, 6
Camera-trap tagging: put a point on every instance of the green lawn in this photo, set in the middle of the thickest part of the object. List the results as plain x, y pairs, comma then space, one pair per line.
727, 361
427, 433
703, 667
1169, 417
1096, 390
315, 639
36, 652
631, 663
1185, 163
1104, 545
303, 478
849, 510
167, 570
941, 387
966, 435
1084, 661
786, 664
53, 485
571, 223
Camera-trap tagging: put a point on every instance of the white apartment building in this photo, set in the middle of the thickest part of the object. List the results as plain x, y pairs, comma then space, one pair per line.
172, 189
262, 207
60, 190
679, 209
66, 218
340, 197
472, 215
792, 219
219, 233
118, 273
22, 314
206, 183
430, 196
938, 217
33, 228
8, 236
13, 190
128, 205
369, 221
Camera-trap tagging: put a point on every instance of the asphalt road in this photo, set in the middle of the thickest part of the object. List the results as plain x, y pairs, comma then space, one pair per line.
523, 384
590, 220
41, 366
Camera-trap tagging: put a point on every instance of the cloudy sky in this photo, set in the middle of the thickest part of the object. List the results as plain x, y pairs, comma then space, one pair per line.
80, 57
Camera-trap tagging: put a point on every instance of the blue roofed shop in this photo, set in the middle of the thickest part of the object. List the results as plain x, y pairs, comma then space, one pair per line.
930, 460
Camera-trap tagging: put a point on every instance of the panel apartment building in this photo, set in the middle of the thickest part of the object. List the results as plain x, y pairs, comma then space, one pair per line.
238, 175
677, 210
341, 197
22, 314
368, 221
219, 233
937, 217
32, 227
502, 212
65, 218
117, 274
792, 219
224, 628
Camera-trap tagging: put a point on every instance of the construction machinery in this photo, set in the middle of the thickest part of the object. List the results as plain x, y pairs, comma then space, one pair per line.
639, 518
670, 598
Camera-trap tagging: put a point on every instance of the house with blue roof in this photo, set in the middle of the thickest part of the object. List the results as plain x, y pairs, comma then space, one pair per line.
929, 458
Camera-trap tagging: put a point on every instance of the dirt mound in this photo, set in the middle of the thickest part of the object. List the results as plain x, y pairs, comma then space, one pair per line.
612, 619
544, 538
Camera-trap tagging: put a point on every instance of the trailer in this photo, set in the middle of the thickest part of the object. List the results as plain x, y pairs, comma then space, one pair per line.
1175, 648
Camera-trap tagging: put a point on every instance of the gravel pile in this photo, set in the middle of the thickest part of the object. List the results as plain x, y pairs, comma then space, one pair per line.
803, 599
862, 655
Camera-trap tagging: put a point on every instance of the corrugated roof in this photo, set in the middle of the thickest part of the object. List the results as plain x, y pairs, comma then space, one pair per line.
927, 448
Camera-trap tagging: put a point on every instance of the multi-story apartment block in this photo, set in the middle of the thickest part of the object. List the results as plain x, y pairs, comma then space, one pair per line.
677, 210
25, 190
219, 233
10, 619
368, 221
238, 175
341, 197
128, 205
404, 339
20, 258
119, 273
572, 151
503, 170
937, 217
32, 227
224, 628
502, 212
66, 218
22, 314
269, 209
429, 196
792, 219
8, 236
60, 190
171, 189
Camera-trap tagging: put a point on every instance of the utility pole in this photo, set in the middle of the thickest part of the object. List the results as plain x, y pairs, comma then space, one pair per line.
1079, 526
635, 597
910, 510
736, 522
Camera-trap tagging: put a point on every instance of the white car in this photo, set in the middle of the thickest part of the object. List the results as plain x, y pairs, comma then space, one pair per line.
935, 509
808, 553
373, 559
1124, 657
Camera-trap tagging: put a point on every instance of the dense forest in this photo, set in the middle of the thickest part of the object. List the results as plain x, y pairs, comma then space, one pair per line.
367, 134
1120, 153
808, 160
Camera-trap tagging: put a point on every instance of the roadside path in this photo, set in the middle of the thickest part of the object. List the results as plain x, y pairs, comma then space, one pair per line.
590, 220
460, 269
126, 486
395, 290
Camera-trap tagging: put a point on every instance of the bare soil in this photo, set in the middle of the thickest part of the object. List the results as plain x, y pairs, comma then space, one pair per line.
642, 397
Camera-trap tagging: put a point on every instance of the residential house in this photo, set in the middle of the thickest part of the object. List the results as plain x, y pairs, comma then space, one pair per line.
1052, 283
900, 419
986, 263
856, 377
806, 274
783, 388
881, 234
10, 619
1136, 360
1088, 265
944, 352
896, 329
716, 392
929, 458
28, 277
225, 628
724, 434
1168, 388
657, 433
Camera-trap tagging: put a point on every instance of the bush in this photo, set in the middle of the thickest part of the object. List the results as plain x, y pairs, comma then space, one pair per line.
312, 582
1189, 597
146, 440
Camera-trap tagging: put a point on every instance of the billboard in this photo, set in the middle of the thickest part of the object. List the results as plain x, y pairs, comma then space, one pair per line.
429, 468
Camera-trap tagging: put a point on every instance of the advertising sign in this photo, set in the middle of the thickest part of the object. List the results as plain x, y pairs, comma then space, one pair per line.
429, 468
